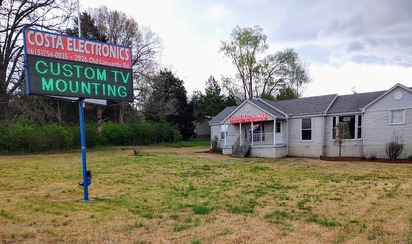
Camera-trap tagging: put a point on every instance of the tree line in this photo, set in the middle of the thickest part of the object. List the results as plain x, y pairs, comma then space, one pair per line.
159, 95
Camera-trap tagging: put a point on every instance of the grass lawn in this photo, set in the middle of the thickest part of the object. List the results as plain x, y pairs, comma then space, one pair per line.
183, 195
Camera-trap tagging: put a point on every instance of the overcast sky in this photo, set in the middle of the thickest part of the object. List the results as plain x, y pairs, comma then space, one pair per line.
362, 45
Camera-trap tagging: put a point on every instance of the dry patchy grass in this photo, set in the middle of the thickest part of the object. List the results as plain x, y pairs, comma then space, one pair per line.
179, 195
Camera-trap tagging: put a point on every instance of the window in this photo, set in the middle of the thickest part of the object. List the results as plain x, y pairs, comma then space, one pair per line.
354, 122
223, 132
306, 129
278, 127
351, 122
397, 116
359, 126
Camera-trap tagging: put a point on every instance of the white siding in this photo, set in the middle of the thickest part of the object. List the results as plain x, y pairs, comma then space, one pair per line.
269, 152
377, 130
303, 148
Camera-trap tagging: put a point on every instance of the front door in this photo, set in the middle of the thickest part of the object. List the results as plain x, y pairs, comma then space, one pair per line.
280, 135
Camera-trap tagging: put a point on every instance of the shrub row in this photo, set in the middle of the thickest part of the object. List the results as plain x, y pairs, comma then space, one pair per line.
25, 137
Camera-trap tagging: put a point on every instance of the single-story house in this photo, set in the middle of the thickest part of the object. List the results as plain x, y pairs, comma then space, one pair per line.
305, 127
202, 128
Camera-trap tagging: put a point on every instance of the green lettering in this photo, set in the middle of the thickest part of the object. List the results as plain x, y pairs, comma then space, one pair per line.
47, 85
125, 79
111, 90
96, 88
122, 91
38, 68
101, 75
86, 88
115, 74
67, 70
61, 85
55, 68
104, 90
71, 86
89, 73
78, 68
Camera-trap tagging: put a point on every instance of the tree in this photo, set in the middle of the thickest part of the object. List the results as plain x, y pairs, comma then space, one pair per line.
146, 47
342, 132
89, 30
293, 71
285, 93
196, 101
212, 102
168, 103
243, 47
260, 76
159, 105
14, 15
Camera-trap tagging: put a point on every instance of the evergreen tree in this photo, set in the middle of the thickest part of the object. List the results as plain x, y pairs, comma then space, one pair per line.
89, 31
212, 102
168, 103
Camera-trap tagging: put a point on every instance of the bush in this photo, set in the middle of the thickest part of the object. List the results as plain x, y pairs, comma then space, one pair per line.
58, 138
117, 134
4, 138
394, 148
139, 133
26, 137
93, 137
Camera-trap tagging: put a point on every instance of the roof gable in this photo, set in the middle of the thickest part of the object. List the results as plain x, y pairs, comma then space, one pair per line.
266, 107
384, 94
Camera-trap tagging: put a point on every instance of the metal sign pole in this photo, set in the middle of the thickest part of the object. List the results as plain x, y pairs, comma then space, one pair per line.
83, 147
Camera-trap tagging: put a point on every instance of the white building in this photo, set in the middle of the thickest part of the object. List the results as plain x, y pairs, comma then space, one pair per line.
304, 127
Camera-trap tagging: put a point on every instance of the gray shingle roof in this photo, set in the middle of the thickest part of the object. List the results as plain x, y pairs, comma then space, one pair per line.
353, 102
268, 108
222, 115
329, 104
305, 105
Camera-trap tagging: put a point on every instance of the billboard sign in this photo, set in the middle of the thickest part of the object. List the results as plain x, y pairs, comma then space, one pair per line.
66, 66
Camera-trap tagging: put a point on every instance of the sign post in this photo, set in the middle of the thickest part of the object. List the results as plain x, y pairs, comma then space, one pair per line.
83, 149
77, 69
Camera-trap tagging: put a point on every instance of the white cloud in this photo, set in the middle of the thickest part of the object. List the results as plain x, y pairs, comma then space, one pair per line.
328, 79
346, 43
